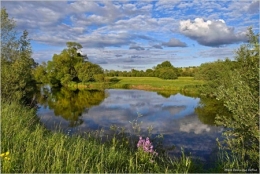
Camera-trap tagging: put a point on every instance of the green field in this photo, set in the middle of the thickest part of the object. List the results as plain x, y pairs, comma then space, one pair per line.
154, 83
182, 84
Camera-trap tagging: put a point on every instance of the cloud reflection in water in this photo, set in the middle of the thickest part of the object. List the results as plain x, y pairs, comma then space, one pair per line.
174, 117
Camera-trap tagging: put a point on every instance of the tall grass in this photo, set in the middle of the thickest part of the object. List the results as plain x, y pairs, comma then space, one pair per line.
32, 148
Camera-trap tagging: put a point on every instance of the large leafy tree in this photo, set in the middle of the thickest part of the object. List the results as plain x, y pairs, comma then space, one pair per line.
16, 62
88, 71
61, 69
69, 66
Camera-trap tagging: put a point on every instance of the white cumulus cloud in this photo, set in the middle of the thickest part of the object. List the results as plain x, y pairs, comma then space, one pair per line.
211, 32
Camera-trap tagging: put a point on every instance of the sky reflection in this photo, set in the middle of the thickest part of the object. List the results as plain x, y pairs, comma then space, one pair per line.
174, 117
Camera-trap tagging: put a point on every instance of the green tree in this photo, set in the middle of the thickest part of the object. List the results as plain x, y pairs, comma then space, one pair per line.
240, 95
70, 66
88, 71
16, 62
62, 68
40, 73
165, 64
9, 42
165, 70
149, 73
214, 73
247, 59
167, 73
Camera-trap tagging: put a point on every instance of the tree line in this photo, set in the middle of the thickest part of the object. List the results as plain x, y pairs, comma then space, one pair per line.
164, 70
235, 83
70, 66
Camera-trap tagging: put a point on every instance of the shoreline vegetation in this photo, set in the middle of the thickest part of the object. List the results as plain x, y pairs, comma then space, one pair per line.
27, 146
60, 153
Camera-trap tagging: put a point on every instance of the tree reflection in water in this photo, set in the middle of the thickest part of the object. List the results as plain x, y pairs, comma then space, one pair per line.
70, 104
209, 108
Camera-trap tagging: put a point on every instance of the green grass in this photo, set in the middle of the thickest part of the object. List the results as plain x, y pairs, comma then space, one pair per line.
34, 149
187, 84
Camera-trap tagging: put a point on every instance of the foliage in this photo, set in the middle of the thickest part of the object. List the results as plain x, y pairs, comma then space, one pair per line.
69, 66
247, 57
62, 68
9, 43
165, 70
33, 149
167, 73
214, 73
187, 71
16, 62
89, 72
40, 73
244, 122
240, 95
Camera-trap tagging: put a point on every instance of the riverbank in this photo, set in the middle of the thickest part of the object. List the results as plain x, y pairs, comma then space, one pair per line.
32, 148
182, 84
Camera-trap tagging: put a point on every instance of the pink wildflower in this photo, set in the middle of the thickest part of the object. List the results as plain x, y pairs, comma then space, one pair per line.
146, 145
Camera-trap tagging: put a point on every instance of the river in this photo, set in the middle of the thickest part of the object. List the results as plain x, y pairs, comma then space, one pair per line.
183, 121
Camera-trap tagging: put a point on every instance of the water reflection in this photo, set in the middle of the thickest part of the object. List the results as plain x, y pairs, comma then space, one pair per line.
173, 116
208, 109
70, 105
167, 94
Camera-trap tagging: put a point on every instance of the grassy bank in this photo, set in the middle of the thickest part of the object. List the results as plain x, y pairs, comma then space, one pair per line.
154, 83
32, 148
182, 84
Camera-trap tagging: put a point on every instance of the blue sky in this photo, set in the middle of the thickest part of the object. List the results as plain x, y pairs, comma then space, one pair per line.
126, 34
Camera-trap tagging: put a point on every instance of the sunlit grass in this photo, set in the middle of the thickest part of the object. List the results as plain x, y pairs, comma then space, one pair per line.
183, 84
32, 148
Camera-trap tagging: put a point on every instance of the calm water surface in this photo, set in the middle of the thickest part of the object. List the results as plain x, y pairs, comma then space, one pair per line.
172, 116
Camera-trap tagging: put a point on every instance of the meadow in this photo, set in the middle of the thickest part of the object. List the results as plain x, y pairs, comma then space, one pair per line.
155, 83
182, 84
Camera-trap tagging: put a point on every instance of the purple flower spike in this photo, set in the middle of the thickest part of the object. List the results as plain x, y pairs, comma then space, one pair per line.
146, 145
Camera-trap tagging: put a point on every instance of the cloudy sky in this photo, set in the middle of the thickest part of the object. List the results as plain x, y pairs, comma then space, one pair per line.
140, 34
